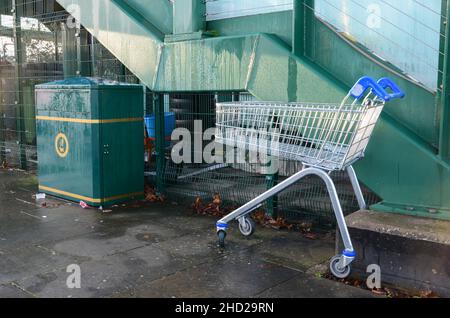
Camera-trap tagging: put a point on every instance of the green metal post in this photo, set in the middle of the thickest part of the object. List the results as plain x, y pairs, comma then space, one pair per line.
70, 66
2, 132
148, 107
302, 22
18, 50
272, 203
124, 73
55, 34
2, 138
158, 106
92, 55
84, 54
444, 83
78, 49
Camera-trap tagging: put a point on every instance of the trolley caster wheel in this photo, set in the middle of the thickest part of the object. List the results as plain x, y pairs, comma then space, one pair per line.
338, 272
247, 226
221, 235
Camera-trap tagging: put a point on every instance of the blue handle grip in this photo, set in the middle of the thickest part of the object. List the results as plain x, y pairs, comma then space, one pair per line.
387, 83
366, 82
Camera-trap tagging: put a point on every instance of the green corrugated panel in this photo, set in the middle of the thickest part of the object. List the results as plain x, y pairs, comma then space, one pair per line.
89, 137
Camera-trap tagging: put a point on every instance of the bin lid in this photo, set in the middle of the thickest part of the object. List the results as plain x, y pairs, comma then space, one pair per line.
84, 82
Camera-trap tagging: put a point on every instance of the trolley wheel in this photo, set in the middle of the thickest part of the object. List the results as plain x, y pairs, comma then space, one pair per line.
338, 272
247, 227
221, 235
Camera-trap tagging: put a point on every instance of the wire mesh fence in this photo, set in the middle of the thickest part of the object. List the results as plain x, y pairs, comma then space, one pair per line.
239, 182
406, 35
37, 46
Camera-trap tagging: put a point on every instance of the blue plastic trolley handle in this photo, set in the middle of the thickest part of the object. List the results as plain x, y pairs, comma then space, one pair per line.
387, 83
359, 89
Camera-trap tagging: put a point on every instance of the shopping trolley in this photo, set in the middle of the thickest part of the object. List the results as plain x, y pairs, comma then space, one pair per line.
324, 137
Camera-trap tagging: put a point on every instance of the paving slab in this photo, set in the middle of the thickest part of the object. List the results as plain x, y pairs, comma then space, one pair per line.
142, 249
306, 286
230, 276
293, 250
31, 260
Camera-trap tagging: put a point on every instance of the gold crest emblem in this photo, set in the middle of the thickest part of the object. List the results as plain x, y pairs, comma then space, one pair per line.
61, 145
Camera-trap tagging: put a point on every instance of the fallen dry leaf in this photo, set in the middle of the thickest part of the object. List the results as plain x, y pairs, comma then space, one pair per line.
214, 208
310, 236
428, 294
151, 196
379, 292
217, 200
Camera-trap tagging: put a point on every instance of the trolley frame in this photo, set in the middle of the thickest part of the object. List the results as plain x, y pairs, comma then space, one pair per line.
372, 94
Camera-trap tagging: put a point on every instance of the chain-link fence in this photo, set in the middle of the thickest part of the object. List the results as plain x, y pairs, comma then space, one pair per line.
38, 45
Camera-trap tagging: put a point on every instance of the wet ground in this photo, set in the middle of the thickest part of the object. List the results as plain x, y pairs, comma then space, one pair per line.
151, 250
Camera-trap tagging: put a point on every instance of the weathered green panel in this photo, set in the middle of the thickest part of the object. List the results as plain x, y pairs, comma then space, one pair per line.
124, 140
89, 138
242, 63
278, 75
217, 64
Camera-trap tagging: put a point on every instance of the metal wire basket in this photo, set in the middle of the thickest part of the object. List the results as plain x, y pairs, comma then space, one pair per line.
327, 136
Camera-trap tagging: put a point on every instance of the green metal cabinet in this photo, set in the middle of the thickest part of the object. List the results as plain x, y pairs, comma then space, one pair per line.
90, 140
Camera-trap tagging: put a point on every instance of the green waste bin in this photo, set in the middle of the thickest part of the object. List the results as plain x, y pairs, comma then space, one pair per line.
90, 140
